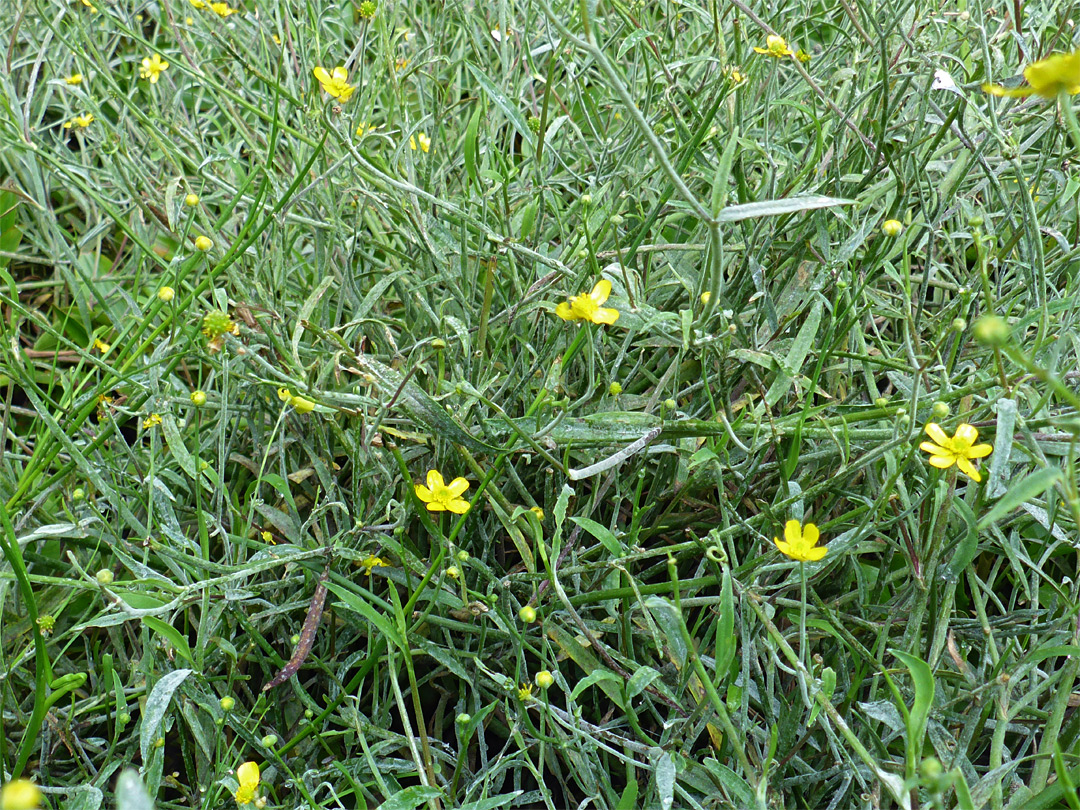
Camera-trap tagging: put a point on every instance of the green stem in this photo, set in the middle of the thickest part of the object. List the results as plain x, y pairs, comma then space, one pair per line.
43, 672
1069, 114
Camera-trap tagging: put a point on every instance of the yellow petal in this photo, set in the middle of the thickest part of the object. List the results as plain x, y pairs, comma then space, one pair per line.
934, 431
458, 506
564, 311
604, 315
793, 532
340, 74
979, 450
436, 506
1015, 92
248, 774
760, 50
1048, 76
966, 435
457, 487
423, 493
968, 468
934, 449
322, 75
814, 554
601, 291
810, 534
435, 480
942, 462
784, 547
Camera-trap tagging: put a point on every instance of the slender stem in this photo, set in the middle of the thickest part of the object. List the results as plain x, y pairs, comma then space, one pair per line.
1069, 114
803, 656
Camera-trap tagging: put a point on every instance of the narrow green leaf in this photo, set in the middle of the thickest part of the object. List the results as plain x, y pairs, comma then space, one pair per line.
919, 715
1027, 489
472, 149
772, 208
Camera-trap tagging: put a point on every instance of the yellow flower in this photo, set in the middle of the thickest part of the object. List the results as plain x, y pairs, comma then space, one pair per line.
153, 420
775, 46
536, 510
363, 129
525, 692
425, 142
198, 3
586, 307
958, 449
20, 794
153, 67
101, 346
371, 562
222, 9
401, 63
248, 777
442, 497
74, 78
80, 121
1049, 77
803, 56
91, 6
166, 294
335, 85
800, 542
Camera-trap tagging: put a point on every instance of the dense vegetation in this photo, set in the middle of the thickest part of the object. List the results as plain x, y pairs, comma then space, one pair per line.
653, 289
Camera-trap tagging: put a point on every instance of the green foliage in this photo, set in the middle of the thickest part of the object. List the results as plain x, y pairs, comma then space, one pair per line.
379, 300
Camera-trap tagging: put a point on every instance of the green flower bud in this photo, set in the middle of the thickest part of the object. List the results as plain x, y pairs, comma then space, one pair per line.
527, 614
992, 330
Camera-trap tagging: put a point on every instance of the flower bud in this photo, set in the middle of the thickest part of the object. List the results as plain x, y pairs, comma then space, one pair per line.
940, 411
892, 227
227, 703
166, 294
198, 398
104, 576
544, 679
203, 243
191, 200
527, 614
991, 330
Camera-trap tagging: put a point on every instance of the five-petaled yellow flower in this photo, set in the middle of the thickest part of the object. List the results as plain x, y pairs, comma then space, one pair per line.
959, 449
222, 9
439, 496
81, 121
425, 142
153, 67
586, 307
1049, 77
335, 85
153, 420
248, 777
800, 542
775, 46
371, 562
